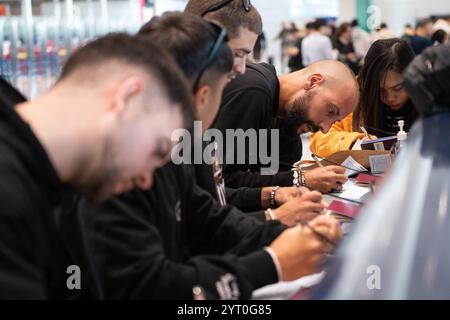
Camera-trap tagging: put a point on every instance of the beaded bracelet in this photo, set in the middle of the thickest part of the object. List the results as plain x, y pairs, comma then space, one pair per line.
299, 178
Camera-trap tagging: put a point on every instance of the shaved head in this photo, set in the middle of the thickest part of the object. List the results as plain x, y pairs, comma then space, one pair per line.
335, 73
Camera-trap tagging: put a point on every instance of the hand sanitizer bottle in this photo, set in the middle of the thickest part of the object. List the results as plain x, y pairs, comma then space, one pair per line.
401, 136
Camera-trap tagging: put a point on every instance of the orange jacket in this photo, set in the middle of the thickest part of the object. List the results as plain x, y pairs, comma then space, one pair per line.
339, 138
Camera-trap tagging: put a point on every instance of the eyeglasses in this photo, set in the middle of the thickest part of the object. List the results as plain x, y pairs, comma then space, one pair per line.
221, 39
245, 3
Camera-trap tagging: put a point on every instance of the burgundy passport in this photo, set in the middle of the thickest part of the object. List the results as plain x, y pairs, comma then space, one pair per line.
344, 209
366, 178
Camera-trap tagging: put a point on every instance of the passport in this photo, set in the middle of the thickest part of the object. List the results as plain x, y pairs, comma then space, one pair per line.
344, 209
381, 144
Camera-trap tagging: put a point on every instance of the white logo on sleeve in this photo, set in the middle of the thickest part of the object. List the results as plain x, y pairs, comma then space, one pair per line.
227, 287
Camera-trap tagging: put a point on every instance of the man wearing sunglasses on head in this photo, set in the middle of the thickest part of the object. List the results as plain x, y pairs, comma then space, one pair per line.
165, 243
251, 102
244, 24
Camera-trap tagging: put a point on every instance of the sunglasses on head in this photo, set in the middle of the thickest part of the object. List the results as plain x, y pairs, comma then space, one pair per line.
245, 3
222, 37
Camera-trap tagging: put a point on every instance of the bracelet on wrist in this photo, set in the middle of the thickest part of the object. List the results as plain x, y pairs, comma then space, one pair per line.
299, 178
273, 202
271, 214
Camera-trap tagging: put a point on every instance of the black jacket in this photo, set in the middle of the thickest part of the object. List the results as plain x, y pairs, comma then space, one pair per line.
245, 199
159, 244
34, 257
251, 101
8, 94
29, 190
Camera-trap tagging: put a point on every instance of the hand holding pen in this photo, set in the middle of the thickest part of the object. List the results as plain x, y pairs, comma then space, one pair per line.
302, 249
320, 165
368, 136
304, 207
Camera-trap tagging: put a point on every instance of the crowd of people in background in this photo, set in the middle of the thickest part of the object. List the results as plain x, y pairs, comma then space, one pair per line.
349, 42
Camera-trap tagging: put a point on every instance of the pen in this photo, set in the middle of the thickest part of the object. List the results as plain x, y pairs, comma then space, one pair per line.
317, 160
365, 132
317, 233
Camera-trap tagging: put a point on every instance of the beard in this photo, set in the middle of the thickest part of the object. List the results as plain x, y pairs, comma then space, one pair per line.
298, 114
99, 184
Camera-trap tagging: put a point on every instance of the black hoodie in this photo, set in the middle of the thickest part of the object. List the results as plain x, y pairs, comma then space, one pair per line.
29, 189
34, 257
161, 243
8, 94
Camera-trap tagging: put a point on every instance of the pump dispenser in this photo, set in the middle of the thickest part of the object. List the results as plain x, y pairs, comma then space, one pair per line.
401, 135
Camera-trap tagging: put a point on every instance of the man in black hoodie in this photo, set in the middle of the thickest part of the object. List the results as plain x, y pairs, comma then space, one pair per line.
75, 138
175, 241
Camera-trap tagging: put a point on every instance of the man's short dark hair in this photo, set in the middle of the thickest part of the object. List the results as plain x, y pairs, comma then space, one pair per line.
310, 25
189, 39
232, 16
134, 51
423, 22
439, 36
317, 24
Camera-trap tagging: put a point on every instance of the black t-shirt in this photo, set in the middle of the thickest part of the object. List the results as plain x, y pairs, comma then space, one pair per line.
295, 63
345, 49
391, 117
251, 101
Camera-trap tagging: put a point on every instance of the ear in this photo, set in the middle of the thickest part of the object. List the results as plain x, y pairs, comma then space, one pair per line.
313, 81
126, 90
201, 99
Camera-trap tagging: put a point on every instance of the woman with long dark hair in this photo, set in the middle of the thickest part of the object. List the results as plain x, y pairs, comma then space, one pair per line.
383, 100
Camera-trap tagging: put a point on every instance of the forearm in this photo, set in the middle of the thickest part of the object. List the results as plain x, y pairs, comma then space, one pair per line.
238, 179
245, 199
